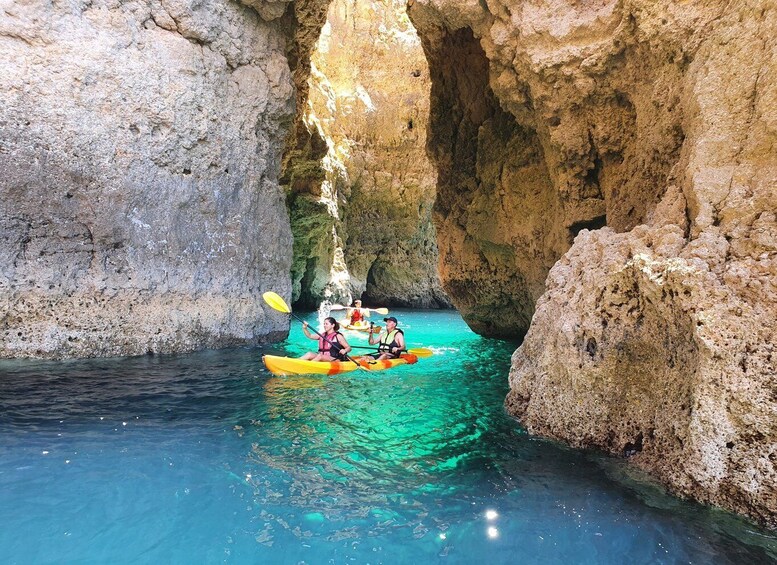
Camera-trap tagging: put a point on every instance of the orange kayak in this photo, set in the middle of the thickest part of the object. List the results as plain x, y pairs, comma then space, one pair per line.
293, 366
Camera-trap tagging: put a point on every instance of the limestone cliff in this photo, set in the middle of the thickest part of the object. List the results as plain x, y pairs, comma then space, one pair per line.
361, 187
139, 150
655, 335
302, 170
606, 180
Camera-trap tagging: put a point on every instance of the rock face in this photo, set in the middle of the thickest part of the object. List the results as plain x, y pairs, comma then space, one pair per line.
139, 150
654, 338
607, 181
361, 186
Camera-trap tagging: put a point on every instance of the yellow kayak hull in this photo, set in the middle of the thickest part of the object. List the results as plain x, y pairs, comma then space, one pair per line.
359, 327
292, 366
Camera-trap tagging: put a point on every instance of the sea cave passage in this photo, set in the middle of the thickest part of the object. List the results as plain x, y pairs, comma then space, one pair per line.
360, 185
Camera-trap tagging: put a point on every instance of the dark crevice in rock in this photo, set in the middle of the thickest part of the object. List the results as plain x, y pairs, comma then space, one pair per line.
592, 224
492, 181
591, 187
301, 170
632, 448
306, 301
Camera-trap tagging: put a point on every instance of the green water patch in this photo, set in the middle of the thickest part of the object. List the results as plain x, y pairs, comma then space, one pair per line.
210, 458
435, 435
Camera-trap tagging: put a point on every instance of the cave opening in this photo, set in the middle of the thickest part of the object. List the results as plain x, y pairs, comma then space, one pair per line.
410, 180
363, 187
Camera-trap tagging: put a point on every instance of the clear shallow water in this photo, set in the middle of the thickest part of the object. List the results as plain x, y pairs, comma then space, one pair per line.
209, 458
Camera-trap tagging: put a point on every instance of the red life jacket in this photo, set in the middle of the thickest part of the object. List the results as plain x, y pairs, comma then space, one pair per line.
356, 316
330, 345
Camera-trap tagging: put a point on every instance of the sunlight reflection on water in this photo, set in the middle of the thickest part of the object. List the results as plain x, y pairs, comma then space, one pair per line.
208, 457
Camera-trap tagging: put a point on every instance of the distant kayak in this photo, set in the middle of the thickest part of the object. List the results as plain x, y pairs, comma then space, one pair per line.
361, 326
293, 366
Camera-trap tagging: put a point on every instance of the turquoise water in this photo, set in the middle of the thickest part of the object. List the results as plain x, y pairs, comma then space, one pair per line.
208, 458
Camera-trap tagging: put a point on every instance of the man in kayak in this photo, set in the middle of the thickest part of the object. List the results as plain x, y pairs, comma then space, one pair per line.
391, 343
332, 347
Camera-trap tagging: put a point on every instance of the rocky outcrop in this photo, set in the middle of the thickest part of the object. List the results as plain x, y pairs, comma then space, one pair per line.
302, 170
361, 187
496, 212
139, 150
534, 145
654, 337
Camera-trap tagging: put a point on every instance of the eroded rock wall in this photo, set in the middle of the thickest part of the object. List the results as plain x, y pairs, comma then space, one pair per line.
536, 134
654, 337
362, 188
312, 224
496, 212
139, 151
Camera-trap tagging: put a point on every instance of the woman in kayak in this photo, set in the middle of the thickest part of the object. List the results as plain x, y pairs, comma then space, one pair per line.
356, 313
391, 343
332, 347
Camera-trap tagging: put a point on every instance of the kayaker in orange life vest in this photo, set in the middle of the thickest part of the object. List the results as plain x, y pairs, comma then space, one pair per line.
391, 343
334, 346
356, 313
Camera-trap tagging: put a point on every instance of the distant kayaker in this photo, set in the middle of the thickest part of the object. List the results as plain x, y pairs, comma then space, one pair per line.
357, 314
332, 347
390, 343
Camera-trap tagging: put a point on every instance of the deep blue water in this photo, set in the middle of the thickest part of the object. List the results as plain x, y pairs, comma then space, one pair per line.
208, 458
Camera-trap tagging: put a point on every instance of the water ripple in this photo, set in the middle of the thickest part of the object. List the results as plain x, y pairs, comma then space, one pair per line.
208, 457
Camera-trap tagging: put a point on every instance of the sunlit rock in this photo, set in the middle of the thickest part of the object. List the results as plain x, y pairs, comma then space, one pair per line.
361, 186
654, 336
139, 150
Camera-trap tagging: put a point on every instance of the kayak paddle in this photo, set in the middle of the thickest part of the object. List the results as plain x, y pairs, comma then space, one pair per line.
383, 311
422, 352
277, 303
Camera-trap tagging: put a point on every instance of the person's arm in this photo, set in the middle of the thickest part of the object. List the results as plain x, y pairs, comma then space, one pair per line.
345, 347
372, 335
400, 339
307, 331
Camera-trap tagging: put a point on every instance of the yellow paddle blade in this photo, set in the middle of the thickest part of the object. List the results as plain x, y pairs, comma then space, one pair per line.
383, 311
276, 302
337, 307
421, 352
